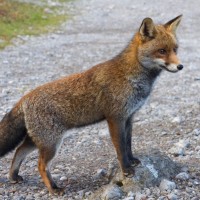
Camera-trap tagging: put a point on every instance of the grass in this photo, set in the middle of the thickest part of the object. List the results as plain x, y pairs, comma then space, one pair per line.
24, 19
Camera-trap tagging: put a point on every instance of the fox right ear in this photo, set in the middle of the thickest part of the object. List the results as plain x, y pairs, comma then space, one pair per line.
173, 24
147, 29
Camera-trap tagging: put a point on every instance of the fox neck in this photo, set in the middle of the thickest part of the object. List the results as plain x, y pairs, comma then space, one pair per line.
130, 63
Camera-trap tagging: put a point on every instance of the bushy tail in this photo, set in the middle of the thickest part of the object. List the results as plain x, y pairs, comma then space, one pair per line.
12, 130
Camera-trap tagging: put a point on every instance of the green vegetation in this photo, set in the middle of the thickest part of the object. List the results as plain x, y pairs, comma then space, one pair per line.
25, 19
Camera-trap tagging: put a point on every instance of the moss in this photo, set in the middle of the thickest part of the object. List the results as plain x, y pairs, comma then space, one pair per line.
18, 18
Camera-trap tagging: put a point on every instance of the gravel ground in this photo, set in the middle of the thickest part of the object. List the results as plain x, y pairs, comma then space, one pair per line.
169, 121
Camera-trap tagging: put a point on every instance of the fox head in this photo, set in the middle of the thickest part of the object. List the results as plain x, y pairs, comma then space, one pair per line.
158, 45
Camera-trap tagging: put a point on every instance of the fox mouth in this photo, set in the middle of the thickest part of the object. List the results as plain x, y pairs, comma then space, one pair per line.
172, 68
165, 68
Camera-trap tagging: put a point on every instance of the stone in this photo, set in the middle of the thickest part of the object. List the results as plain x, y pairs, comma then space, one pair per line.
81, 193
2, 191
184, 169
162, 198
177, 120
140, 196
89, 193
129, 198
103, 133
195, 198
112, 193
63, 178
176, 151
179, 148
131, 194
184, 143
183, 176
196, 131
167, 186
172, 196
147, 191
100, 173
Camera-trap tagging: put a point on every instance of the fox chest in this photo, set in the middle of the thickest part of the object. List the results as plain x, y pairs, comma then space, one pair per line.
137, 97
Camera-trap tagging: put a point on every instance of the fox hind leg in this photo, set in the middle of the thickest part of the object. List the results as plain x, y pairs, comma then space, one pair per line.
45, 156
22, 151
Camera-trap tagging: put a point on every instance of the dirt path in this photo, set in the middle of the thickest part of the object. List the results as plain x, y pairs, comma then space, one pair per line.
98, 31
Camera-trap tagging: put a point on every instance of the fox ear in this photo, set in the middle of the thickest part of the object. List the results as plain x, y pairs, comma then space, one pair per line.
173, 24
147, 29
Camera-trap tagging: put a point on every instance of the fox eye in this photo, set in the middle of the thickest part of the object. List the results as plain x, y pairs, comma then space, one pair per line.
175, 50
162, 51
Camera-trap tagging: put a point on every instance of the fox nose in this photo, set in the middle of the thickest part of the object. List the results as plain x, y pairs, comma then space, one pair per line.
180, 67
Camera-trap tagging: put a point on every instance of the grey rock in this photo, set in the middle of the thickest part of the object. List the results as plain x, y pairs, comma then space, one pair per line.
172, 196
184, 169
197, 148
89, 193
129, 198
153, 169
167, 186
63, 178
131, 194
29, 197
112, 193
177, 151
196, 182
183, 176
148, 174
196, 132
179, 148
2, 191
162, 198
195, 198
81, 194
103, 133
177, 119
100, 173
155, 191
147, 191
139, 196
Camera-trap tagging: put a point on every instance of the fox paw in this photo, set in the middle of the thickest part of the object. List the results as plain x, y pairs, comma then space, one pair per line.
57, 191
16, 179
134, 161
129, 172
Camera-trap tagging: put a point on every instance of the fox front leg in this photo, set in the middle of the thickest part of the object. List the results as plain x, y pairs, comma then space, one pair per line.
118, 135
134, 161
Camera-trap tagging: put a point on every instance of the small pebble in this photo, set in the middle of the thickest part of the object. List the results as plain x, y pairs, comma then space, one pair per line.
112, 192
183, 176
63, 178
172, 196
196, 132
167, 186
139, 196
131, 194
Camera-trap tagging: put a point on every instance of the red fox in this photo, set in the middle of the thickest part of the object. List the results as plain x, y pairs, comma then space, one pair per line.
113, 91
